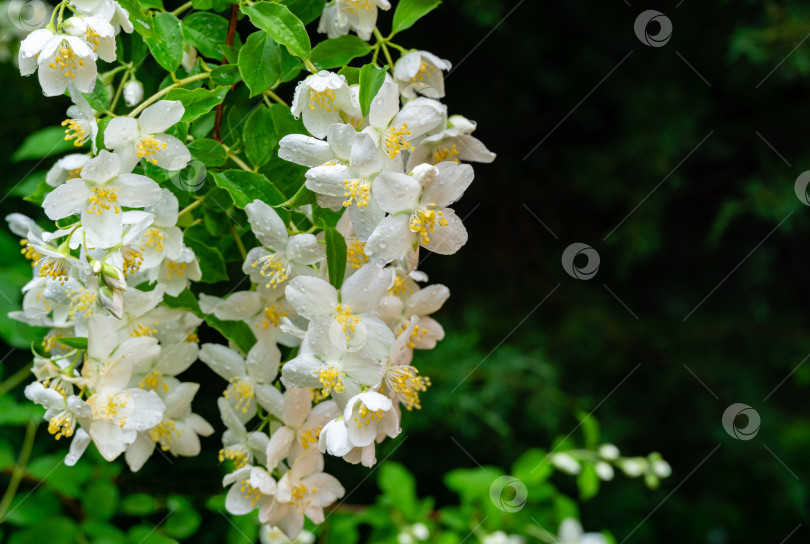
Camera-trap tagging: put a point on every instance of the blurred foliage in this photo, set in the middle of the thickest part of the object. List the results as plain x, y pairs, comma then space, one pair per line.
703, 243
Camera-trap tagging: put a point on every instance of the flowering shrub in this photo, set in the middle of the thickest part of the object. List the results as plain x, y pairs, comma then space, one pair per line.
325, 204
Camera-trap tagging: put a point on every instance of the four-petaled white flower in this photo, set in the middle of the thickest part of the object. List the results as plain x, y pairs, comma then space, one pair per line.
320, 99
98, 195
62, 60
358, 15
420, 72
145, 138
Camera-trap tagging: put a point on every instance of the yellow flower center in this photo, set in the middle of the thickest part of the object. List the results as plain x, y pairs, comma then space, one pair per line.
153, 238
356, 254
62, 424
310, 437
112, 410
54, 268
235, 454
133, 259
149, 146
357, 190
74, 173
366, 416
273, 267
331, 379
162, 434
77, 131
81, 301
103, 198
154, 381
272, 316
324, 99
299, 496
92, 37
66, 61
29, 252
192, 337
423, 222
176, 269
241, 391
425, 69
394, 141
356, 5
251, 493
345, 318
442, 154
404, 381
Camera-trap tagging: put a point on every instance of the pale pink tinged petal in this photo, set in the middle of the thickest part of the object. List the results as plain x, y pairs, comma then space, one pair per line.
279, 446
396, 192
262, 481
159, 117
309, 463
434, 333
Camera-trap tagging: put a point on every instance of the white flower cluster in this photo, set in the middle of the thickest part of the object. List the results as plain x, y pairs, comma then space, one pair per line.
107, 369
396, 170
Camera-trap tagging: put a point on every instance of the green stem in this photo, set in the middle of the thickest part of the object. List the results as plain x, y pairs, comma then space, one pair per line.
381, 41
14, 380
311, 67
19, 470
155, 97
181, 9
239, 243
276, 97
189, 208
119, 90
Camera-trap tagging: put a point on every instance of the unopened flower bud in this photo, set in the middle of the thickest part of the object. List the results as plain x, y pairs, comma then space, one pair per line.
608, 452
604, 471
566, 463
133, 93
661, 468
634, 467
112, 300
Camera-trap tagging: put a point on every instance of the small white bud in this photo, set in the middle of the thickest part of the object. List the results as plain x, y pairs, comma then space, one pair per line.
566, 463
405, 538
133, 93
609, 452
661, 469
604, 471
420, 531
634, 467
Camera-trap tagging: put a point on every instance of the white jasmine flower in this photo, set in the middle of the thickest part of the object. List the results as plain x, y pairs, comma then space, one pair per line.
108, 10
571, 533
281, 256
145, 138
401, 381
61, 412
67, 168
419, 216
163, 239
98, 196
62, 59
454, 143
420, 72
250, 378
359, 15
309, 151
238, 445
320, 99
251, 488
176, 273
303, 490
81, 123
97, 32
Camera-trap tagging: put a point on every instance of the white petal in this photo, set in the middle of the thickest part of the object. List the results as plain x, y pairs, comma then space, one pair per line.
157, 118
396, 192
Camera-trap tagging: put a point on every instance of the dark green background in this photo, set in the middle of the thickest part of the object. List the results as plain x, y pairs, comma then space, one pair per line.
711, 224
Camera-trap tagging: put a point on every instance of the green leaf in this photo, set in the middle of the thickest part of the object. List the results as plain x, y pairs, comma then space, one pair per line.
259, 62
46, 142
397, 484
212, 264
38, 194
100, 500
183, 520
302, 197
142, 20
278, 21
338, 51
335, 256
210, 152
245, 187
198, 101
351, 74
99, 99
57, 530
12, 413
206, 31
371, 79
167, 45
207, 5
259, 136
410, 11
306, 10
533, 467
142, 504
77, 342
227, 74
590, 429
588, 481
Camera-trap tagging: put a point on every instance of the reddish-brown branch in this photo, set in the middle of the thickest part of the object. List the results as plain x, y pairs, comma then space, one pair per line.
228, 43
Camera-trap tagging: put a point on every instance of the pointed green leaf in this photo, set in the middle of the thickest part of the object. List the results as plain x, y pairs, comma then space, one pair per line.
335, 256
371, 79
259, 62
278, 21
